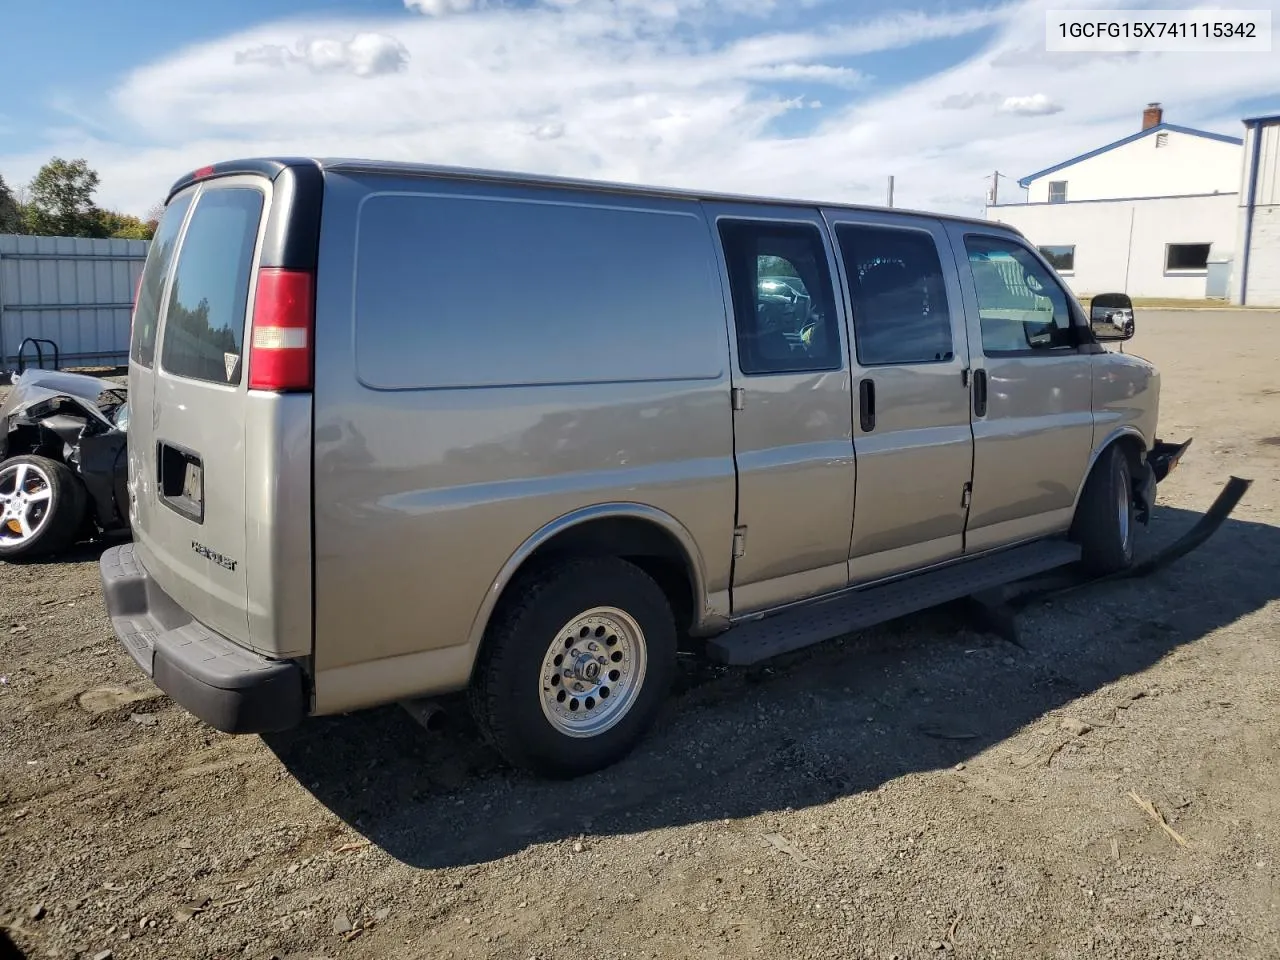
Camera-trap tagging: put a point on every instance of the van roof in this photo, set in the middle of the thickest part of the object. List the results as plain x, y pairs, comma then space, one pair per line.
273, 165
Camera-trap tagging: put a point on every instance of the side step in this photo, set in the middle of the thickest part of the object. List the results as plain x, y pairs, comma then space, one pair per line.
820, 620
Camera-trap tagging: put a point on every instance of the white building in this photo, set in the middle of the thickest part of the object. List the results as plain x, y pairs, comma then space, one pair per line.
1162, 213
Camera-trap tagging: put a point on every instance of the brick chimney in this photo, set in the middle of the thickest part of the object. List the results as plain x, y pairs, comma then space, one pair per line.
1152, 116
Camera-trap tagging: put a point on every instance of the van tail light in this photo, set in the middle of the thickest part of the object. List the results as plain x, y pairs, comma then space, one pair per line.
282, 346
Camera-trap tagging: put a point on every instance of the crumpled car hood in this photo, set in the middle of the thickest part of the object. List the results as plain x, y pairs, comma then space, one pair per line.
34, 386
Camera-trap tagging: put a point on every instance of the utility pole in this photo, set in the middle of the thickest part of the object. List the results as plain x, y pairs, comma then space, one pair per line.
995, 188
891, 191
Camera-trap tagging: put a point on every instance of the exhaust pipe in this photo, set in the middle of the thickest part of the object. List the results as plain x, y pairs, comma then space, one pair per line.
429, 714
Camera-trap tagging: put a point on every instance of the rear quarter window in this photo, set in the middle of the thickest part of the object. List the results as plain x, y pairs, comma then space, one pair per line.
204, 323
468, 292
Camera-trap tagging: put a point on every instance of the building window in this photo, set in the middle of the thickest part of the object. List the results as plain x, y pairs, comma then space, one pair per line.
1186, 257
1162, 140
1057, 191
1061, 258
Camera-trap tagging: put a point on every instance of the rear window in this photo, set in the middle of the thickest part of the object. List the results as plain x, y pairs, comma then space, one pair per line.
204, 323
143, 348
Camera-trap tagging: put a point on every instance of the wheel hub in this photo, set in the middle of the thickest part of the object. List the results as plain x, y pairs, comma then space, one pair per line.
592, 672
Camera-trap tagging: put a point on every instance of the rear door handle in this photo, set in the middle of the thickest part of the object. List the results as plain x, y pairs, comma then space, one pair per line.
980, 393
867, 405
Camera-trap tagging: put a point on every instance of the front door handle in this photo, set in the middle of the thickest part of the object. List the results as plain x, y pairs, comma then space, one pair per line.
867, 405
980, 393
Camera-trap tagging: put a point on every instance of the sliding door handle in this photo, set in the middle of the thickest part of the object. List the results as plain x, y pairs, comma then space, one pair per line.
980, 393
867, 405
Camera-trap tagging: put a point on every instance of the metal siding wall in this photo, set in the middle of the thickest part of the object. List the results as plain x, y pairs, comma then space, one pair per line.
75, 291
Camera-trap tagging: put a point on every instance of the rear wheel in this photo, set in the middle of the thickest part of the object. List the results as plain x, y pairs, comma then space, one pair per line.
575, 667
1104, 524
42, 507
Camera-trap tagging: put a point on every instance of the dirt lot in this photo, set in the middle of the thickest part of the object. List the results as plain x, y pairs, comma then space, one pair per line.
920, 790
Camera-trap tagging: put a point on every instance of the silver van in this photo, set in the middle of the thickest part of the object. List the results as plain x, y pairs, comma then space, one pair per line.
400, 431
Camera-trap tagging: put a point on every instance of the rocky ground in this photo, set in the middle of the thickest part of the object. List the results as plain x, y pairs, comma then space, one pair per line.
1109, 788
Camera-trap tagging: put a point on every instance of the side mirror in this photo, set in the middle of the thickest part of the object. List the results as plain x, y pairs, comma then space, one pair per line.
1111, 316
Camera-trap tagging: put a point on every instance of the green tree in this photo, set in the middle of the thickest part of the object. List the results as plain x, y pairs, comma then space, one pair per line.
10, 210
124, 226
61, 200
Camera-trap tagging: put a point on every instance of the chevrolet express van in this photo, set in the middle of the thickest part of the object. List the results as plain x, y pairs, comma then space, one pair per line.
399, 431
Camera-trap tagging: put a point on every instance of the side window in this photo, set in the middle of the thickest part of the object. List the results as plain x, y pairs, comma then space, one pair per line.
146, 314
1020, 305
900, 312
204, 325
783, 301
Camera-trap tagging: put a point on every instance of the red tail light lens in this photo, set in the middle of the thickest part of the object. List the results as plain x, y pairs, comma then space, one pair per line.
280, 350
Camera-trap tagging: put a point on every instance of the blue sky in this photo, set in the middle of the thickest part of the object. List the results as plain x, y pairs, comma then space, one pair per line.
813, 98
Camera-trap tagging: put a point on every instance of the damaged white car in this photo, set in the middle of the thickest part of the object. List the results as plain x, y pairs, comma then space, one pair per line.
63, 462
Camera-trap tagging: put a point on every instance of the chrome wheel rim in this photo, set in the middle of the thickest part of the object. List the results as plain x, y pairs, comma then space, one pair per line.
1123, 515
26, 495
592, 672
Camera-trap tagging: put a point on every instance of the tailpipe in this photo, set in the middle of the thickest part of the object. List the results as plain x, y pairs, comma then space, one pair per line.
429, 714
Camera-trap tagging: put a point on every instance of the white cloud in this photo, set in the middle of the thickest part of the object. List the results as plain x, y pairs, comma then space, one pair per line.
967, 101
815, 72
365, 55
1036, 105
440, 8
651, 91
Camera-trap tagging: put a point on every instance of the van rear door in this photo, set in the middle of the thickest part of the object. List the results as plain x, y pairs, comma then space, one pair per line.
187, 444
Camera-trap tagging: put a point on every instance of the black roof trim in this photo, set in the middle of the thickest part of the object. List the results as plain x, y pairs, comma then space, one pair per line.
269, 167
292, 238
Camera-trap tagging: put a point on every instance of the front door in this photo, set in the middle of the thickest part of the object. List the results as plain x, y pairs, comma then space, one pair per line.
793, 441
912, 432
1033, 392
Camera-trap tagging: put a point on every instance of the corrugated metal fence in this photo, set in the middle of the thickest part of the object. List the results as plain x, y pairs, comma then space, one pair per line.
74, 291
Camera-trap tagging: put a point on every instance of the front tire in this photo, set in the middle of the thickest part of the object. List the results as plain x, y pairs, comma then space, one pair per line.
1105, 521
575, 667
42, 507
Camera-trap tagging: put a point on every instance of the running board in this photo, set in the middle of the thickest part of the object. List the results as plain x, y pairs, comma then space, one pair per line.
820, 620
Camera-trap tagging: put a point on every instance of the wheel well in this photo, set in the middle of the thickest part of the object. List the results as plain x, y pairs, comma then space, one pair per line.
31, 439
645, 544
1133, 449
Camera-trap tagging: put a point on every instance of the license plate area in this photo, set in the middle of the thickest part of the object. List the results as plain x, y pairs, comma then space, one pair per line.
181, 480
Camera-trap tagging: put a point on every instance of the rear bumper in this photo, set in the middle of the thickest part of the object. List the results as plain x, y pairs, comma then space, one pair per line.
225, 685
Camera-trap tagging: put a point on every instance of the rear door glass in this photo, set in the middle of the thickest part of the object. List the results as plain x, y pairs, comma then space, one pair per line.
204, 324
147, 312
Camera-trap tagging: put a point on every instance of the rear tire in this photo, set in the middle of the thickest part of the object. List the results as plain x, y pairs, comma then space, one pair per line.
42, 507
1105, 521
575, 667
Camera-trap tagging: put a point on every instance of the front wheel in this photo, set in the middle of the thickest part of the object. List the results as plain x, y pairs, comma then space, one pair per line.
575, 667
1104, 522
42, 507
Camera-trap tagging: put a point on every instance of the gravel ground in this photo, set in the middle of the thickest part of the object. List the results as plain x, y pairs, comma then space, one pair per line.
920, 790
